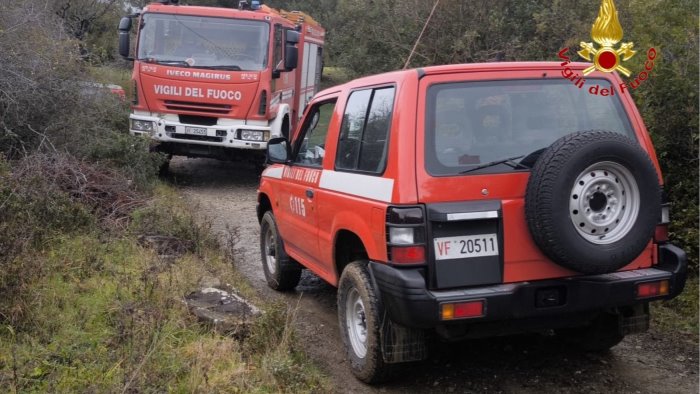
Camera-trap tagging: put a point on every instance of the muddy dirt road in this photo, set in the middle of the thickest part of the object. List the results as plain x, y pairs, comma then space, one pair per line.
649, 363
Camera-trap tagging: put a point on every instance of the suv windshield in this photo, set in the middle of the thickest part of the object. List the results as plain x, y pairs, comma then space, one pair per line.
492, 126
196, 41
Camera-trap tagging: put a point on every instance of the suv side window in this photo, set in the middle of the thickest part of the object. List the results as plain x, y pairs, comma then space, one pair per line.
312, 147
363, 136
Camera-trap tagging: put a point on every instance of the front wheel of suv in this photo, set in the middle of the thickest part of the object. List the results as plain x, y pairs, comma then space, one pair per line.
281, 272
359, 320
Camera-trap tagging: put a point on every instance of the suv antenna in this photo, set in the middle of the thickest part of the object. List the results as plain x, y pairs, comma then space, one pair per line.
421, 34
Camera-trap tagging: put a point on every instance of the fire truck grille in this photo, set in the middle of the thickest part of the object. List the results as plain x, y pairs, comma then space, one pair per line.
196, 137
218, 109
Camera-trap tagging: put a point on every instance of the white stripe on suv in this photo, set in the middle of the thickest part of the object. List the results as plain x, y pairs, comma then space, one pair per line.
373, 187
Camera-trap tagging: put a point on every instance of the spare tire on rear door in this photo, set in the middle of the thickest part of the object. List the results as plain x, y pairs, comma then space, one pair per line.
593, 200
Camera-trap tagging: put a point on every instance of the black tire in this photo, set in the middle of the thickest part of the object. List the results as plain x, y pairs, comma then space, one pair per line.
599, 336
164, 157
550, 196
164, 168
285, 128
370, 366
281, 272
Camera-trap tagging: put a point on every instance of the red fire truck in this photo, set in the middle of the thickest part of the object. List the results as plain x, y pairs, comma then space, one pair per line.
220, 82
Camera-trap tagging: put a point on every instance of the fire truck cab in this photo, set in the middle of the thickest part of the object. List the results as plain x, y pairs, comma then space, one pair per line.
220, 82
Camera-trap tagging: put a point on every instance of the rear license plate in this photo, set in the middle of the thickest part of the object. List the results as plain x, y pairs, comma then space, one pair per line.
196, 130
465, 247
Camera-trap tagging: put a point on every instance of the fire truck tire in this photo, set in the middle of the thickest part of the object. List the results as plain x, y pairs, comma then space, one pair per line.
593, 201
285, 127
164, 159
164, 167
281, 272
359, 312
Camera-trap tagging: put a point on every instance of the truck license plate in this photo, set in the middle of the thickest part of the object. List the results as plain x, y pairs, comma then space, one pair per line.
196, 130
465, 247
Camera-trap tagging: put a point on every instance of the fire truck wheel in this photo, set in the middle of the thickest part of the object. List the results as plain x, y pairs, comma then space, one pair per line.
164, 159
281, 272
358, 318
593, 201
285, 127
164, 167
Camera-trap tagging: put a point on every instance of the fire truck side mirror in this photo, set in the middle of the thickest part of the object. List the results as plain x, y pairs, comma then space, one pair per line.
291, 57
291, 52
292, 37
278, 150
124, 44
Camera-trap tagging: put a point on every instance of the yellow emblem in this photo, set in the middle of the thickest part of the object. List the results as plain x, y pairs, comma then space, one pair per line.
607, 32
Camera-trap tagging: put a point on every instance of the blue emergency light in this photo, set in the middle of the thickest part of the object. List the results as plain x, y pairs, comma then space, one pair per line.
252, 5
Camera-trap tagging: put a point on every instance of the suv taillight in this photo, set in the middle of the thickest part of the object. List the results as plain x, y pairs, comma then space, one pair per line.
661, 233
405, 235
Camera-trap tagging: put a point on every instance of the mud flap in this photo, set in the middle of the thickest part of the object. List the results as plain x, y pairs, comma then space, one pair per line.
401, 344
635, 320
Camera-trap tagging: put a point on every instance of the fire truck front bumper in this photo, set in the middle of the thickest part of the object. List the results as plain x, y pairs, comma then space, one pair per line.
234, 134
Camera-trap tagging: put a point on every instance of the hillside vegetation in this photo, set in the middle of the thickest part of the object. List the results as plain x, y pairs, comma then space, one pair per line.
87, 305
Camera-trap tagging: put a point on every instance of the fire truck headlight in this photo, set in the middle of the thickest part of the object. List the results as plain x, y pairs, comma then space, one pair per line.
142, 125
253, 135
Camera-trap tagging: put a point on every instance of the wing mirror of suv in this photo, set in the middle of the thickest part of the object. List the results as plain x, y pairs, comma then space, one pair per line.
278, 151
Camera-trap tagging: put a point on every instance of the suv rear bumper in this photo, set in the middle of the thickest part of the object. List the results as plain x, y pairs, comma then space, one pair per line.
410, 303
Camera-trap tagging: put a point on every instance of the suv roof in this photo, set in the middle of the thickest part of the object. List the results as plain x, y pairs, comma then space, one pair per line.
451, 69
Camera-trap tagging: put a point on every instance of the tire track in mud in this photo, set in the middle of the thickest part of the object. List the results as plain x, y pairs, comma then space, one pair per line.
225, 194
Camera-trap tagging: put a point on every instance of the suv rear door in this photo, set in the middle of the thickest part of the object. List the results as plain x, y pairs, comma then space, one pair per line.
469, 120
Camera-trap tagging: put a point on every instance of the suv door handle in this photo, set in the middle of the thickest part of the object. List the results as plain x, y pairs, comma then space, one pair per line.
309, 193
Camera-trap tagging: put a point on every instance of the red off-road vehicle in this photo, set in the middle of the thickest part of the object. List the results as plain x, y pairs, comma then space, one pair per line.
467, 201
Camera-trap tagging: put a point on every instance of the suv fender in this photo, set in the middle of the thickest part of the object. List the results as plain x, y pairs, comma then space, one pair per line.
347, 247
347, 222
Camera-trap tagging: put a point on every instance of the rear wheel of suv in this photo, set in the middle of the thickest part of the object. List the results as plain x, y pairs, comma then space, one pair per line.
358, 318
599, 336
593, 201
281, 272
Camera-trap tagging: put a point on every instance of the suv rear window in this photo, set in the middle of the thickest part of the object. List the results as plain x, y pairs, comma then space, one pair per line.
472, 123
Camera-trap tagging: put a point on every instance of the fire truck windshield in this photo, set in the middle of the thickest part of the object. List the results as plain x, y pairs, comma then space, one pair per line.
203, 42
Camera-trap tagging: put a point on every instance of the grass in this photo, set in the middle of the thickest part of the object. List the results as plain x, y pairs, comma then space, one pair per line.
105, 314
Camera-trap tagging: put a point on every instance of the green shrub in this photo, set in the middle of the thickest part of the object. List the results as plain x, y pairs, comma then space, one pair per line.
163, 217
